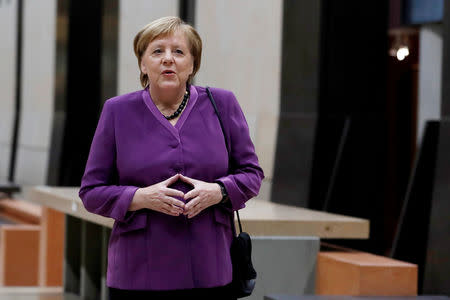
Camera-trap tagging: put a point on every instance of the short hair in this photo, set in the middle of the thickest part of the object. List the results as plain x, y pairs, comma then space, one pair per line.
162, 27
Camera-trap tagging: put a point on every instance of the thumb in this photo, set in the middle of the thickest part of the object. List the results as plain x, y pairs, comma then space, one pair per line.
171, 180
189, 180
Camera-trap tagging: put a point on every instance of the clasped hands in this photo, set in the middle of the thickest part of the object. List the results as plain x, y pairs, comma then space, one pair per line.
160, 197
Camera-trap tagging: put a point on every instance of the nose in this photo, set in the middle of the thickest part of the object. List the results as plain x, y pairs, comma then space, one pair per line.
168, 57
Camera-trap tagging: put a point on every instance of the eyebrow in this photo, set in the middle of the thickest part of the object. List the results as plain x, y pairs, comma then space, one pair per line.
161, 45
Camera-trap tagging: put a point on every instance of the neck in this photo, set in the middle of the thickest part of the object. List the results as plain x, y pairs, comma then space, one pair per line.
167, 98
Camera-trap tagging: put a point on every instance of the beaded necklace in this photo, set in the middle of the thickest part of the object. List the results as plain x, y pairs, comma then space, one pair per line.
180, 108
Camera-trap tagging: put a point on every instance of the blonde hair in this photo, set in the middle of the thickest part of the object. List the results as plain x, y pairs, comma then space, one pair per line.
162, 27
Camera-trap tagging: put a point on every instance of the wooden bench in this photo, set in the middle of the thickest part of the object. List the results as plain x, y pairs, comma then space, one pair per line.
31, 244
19, 242
20, 212
363, 274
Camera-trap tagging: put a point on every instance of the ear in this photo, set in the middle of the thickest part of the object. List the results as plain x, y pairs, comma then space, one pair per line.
143, 68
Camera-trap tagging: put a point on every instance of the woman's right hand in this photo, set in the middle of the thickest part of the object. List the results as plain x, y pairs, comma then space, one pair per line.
159, 197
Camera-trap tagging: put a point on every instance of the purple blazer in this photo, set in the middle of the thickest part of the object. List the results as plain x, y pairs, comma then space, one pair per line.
135, 146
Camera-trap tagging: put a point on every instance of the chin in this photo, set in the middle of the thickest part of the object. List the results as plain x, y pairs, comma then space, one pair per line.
170, 85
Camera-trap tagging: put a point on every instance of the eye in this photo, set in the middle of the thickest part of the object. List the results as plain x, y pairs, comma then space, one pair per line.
179, 51
156, 51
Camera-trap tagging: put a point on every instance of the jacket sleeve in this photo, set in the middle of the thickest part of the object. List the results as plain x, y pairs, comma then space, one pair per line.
98, 191
244, 180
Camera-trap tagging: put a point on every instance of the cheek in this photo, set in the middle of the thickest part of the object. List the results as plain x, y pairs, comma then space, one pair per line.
187, 69
190, 67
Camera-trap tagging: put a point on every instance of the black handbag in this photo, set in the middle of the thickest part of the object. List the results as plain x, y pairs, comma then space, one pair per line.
244, 275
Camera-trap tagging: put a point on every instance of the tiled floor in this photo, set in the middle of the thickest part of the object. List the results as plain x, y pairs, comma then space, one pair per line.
35, 293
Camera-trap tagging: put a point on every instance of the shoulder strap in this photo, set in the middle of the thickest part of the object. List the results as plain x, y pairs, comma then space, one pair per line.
211, 98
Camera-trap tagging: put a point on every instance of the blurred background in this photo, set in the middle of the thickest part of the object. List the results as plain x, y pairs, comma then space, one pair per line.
347, 102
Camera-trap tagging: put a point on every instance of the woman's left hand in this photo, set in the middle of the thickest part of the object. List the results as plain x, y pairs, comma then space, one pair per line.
203, 195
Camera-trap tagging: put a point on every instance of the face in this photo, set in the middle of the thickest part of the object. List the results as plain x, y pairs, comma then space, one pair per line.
168, 62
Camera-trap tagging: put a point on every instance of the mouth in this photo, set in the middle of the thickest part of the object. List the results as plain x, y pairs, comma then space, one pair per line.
168, 72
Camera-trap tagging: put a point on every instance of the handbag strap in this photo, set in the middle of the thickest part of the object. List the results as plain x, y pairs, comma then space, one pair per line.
211, 98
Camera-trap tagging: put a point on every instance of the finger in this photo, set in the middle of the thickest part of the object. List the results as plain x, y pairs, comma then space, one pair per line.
197, 210
191, 194
173, 192
173, 201
172, 208
169, 212
191, 204
177, 209
193, 215
166, 206
171, 180
188, 179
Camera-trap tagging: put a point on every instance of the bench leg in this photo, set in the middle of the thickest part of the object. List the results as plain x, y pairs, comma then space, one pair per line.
51, 248
72, 255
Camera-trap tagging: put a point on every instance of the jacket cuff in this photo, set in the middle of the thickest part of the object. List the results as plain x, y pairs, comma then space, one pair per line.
233, 192
123, 203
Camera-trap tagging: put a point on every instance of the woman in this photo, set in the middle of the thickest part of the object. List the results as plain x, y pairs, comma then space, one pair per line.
159, 166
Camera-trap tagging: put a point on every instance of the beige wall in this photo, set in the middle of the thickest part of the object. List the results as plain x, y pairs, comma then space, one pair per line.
8, 32
133, 15
242, 53
38, 68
